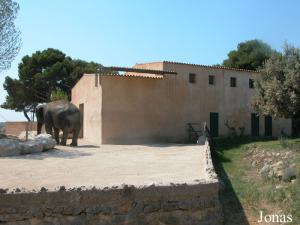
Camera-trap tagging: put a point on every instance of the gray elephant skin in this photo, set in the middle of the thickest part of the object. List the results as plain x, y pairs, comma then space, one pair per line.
59, 115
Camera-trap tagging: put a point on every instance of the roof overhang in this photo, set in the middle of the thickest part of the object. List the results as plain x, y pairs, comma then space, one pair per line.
135, 72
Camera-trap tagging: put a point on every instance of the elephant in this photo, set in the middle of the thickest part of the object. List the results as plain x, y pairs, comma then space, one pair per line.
59, 115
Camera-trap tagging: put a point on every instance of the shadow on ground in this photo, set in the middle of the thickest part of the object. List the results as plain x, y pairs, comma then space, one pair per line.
232, 207
55, 153
85, 146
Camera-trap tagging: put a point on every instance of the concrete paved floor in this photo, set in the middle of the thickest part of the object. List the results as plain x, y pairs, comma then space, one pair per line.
107, 165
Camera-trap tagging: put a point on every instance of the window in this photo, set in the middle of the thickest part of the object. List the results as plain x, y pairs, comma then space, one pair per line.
251, 83
232, 81
211, 79
192, 78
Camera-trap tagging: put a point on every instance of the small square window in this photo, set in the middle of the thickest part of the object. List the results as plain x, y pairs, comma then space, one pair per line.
192, 78
251, 83
211, 79
232, 81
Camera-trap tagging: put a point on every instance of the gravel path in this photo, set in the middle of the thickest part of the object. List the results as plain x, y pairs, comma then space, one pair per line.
108, 165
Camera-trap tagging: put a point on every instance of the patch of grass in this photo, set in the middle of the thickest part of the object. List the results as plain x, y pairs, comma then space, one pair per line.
251, 193
292, 144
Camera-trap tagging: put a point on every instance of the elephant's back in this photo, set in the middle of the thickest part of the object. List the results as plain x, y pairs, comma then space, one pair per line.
62, 106
65, 114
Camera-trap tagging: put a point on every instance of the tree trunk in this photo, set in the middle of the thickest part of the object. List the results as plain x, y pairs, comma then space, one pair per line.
25, 114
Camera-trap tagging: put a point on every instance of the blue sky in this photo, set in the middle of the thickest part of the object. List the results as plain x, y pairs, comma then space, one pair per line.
122, 33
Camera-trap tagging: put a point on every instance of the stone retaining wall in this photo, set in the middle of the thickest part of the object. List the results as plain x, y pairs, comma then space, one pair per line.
186, 204
197, 204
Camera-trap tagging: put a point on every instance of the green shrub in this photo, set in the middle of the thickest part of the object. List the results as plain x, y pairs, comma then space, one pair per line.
264, 172
288, 143
284, 142
58, 95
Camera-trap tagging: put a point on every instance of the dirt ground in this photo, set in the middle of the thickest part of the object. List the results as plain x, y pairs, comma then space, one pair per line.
108, 165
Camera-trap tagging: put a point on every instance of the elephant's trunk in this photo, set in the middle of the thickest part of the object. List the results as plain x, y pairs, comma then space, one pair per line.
39, 128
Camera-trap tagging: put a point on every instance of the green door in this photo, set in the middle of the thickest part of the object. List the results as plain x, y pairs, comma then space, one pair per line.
214, 124
254, 124
268, 126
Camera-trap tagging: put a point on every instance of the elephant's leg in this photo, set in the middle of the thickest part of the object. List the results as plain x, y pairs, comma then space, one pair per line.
48, 129
75, 133
56, 135
65, 136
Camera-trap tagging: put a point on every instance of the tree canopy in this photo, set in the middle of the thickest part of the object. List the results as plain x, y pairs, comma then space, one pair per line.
278, 85
249, 55
10, 41
42, 74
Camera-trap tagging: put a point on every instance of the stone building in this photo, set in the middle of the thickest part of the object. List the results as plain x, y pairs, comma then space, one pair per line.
151, 108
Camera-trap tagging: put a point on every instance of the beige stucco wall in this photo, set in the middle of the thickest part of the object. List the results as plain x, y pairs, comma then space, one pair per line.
88, 91
150, 66
141, 110
137, 110
232, 103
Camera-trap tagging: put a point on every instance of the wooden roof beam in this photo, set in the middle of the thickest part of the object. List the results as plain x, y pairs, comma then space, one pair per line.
135, 70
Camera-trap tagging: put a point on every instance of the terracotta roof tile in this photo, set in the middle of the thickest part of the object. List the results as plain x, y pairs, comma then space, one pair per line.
201, 65
213, 67
146, 75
